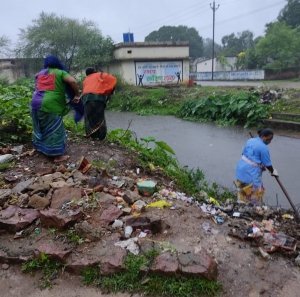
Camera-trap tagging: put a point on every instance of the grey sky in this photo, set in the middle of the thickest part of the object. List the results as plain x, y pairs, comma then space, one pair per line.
115, 17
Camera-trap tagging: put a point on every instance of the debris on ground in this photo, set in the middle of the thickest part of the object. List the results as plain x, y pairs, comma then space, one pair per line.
85, 214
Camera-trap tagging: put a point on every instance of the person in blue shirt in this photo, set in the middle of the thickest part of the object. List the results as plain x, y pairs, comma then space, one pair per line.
254, 160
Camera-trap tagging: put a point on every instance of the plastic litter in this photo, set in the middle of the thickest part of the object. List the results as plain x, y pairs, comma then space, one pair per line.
142, 234
6, 158
254, 232
213, 201
159, 204
37, 231
146, 187
287, 216
117, 224
280, 241
128, 231
130, 245
84, 165
138, 206
236, 214
264, 254
218, 219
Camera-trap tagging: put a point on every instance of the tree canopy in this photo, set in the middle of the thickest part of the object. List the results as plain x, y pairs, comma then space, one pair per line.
235, 44
179, 33
207, 48
290, 14
77, 43
4, 43
279, 48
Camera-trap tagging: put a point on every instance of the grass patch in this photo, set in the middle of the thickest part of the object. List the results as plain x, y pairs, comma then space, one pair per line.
49, 267
6, 165
90, 275
132, 280
73, 237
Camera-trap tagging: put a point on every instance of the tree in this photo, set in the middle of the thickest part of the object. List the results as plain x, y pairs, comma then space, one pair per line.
77, 44
179, 33
4, 43
207, 48
233, 45
280, 47
290, 14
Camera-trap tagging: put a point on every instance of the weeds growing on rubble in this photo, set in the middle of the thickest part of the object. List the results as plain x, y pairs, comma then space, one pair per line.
158, 155
134, 281
49, 267
6, 165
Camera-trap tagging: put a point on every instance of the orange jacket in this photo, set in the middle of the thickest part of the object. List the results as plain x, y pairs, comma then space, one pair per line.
100, 83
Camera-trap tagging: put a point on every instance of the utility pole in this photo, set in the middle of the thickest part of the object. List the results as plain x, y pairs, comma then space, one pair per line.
214, 8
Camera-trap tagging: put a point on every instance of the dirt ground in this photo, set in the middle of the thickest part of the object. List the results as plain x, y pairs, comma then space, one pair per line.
242, 271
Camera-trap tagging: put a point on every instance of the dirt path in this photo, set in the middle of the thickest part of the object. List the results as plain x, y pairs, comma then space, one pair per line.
13, 283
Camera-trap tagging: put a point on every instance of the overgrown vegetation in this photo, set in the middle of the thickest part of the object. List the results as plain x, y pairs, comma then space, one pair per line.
49, 267
222, 106
15, 120
159, 156
242, 109
134, 281
145, 101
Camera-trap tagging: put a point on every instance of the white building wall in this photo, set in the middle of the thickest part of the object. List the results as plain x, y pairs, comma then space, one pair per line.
137, 58
205, 66
126, 70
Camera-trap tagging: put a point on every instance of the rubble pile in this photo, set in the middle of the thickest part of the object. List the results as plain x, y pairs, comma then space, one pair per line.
86, 216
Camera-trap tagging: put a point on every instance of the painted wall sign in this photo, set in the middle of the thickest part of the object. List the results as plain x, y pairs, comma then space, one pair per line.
161, 72
230, 75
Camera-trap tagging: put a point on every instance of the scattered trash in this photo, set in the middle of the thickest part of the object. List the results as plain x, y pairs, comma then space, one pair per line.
287, 216
138, 206
279, 241
84, 165
37, 231
117, 181
297, 260
206, 208
146, 187
142, 234
117, 224
128, 231
268, 225
219, 220
264, 254
6, 158
159, 204
130, 245
18, 149
254, 232
236, 214
213, 201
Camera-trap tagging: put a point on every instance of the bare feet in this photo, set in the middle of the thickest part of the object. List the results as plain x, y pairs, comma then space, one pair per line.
61, 158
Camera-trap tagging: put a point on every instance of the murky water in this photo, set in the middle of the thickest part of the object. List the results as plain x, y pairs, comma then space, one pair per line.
216, 150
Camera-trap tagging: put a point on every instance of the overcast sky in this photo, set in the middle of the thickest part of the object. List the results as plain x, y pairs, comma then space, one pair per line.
141, 17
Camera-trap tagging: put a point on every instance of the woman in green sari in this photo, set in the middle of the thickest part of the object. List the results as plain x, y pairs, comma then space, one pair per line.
49, 105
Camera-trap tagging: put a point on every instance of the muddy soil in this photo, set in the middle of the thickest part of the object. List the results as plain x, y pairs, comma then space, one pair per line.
242, 270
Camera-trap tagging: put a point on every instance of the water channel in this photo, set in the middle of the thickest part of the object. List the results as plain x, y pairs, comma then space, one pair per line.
216, 150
